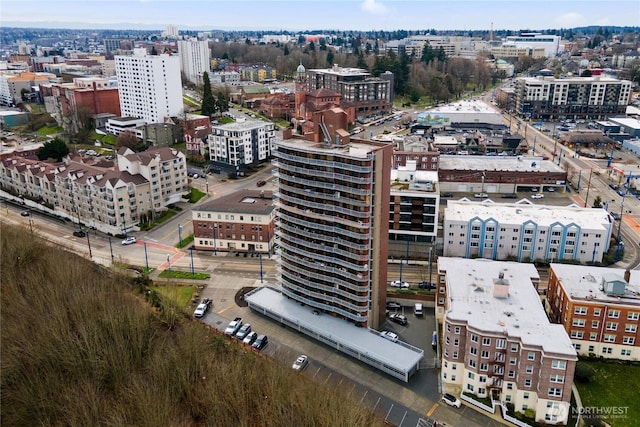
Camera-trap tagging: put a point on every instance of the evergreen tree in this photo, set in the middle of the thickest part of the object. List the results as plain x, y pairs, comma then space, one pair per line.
208, 103
362, 63
55, 149
330, 58
286, 50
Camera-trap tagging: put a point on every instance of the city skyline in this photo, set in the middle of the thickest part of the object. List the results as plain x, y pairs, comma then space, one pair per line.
291, 15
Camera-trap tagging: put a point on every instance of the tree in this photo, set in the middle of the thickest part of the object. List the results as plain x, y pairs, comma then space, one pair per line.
128, 139
583, 372
208, 103
154, 52
597, 202
55, 149
330, 58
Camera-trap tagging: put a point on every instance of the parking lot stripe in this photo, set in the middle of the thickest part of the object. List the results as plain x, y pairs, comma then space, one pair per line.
364, 395
432, 409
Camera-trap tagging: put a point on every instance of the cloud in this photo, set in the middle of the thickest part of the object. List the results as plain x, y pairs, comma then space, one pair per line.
571, 19
373, 7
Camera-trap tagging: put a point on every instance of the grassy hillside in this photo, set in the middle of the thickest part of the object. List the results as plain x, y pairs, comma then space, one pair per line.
82, 347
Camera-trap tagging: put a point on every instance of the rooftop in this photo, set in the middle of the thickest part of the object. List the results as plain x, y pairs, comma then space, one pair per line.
355, 148
521, 211
464, 106
498, 163
583, 282
240, 126
243, 201
515, 311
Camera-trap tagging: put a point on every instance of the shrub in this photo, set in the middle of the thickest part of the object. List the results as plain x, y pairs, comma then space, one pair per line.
584, 372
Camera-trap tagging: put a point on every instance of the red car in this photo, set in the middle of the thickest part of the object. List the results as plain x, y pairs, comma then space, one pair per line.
261, 183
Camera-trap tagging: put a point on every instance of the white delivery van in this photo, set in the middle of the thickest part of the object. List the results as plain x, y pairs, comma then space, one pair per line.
417, 309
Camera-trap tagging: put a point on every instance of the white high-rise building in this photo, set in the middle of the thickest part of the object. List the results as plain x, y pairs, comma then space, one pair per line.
149, 85
194, 58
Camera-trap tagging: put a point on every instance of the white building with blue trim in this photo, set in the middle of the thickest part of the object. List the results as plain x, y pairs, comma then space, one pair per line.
524, 231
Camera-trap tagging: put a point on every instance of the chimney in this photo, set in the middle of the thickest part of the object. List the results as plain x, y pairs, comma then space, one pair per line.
627, 275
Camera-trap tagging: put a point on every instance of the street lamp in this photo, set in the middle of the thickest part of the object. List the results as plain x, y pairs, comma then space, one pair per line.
180, 235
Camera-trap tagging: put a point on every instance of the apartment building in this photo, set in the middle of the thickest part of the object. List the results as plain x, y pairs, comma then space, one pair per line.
72, 103
525, 231
231, 78
241, 222
150, 86
413, 211
598, 307
358, 89
241, 143
512, 50
332, 224
195, 58
99, 194
575, 97
12, 84
496, 339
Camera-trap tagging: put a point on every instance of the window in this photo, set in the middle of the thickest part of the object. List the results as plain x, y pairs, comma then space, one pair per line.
456, 342
633, 316
580, 310
482, 379
614, 314
470, 387
486, 341
531, 356
577, 334
484, 354
559, 364
455, 356
578, 322
527, 383
630, 328
595, 324
628, 340
474, 338
557, 378
514, 347
471, 375
606, 350
525, 395
512, 374
501, 344
555, 392
484, 366
512, 360
625, 352
596, 312
612, 326
593, 336
457, 330
509, 386
529, 370
472, 363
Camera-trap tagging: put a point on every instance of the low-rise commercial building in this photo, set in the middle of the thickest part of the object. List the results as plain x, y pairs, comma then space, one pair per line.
240, 222
598, 307
497, 342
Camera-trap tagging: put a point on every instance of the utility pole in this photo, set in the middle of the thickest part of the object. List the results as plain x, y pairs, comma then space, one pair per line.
588, 188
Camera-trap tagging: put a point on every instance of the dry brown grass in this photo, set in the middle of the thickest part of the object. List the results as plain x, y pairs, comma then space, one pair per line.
81, 348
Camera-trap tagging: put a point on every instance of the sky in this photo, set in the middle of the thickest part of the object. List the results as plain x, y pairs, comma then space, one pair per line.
300, 15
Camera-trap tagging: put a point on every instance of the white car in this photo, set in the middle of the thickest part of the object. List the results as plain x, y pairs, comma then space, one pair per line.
129, 241
537, 196
202, 308
399, 284
481, 196
451, 400
301, 362
388, 335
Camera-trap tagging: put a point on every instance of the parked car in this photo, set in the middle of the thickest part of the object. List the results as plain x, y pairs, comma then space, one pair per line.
446, 195
243, 331
551, 190
250, 338
451, 400
129, 241
79, 233
301, 362
481, 196
620, 192
426, 285
399, 284
202, 308
261, 183
509, 196
391, 305
233, 326
388, 335
537, 196
260, 342
614, 215
400, 319
25, 213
